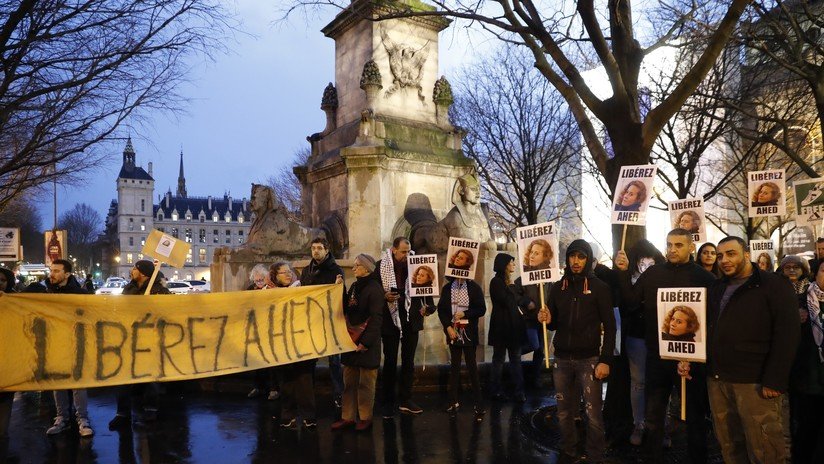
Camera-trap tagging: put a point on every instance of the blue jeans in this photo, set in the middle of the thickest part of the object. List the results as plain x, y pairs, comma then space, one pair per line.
63, 404
515, 372
636, 350
574, 379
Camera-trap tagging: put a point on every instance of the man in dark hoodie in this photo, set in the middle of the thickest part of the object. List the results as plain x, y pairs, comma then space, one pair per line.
579, 305
662, 375
145, 394
6, 398
322, 270
61, 280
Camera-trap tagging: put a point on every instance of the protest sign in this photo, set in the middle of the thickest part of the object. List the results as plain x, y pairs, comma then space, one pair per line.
423, 275
538, 253
462, 258
54, 342
763, 251
809, 201
682, 316
688, 214
55, 241
632, 195
10, 244
766, 192
166, 248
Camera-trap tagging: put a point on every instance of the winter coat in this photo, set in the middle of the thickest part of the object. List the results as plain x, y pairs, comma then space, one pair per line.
579, 305
71, 287
323, 273
132, 288
506, 323
644, 294
365, 300
807, 375
475, 311
754, 338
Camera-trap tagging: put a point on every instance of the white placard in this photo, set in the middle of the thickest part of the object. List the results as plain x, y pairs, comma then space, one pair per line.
10, 243
538, 253
688, 214
761, 249
809, 201
423, 275
682, 316
767, 193
462, 258
632, 195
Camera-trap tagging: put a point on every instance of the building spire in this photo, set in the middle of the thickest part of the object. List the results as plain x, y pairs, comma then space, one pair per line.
128, 154
181, 180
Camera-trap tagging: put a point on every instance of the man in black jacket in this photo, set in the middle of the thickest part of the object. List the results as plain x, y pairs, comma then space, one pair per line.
146, 395
753, 330
61, 280
400, 327
579, 305
322, 270
661, 375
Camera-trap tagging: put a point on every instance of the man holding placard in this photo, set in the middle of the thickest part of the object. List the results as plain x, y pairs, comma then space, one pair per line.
753, 334
579, 305
679, 271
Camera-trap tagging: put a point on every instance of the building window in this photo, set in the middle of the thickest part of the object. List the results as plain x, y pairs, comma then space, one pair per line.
174, 232
174, 216
188, 216
228, 236
188, 235
201, 256
228, 217
131, 224
189, 256
140, 256
202, 218
160, 215
129, 258
240, 218
214, 216
131, 241
202, 236
142, 205
143, 242
215, 238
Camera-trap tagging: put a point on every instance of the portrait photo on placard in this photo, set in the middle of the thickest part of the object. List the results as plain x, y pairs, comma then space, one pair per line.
688, 214
461, 258
632, 195
682, 323
423, 275
762, 253
538, 253
767, 193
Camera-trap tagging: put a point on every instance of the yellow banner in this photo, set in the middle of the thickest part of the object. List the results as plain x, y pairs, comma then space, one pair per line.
52, 342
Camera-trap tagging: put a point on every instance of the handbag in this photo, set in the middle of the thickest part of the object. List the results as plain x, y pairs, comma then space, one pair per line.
356, 331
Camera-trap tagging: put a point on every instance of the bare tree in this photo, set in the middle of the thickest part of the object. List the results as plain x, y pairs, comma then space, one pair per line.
287, 186
73, 72
564, 42
522, 137
22, 213
83, 225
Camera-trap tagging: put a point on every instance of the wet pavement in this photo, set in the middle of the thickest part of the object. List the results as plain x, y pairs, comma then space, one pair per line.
229, 428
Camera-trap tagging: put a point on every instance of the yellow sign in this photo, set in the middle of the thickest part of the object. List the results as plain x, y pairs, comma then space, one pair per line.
166, 248
53, 342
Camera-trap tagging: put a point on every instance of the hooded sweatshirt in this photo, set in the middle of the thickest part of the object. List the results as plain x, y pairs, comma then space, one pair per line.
580, 304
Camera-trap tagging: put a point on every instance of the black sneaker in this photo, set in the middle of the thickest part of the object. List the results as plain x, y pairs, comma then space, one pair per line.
409, 407
310, 423
388, 411
120, 421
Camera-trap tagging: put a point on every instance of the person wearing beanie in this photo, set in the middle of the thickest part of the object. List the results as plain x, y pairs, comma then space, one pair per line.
679, 271
507, 329
146, 393
578, 306
363, 308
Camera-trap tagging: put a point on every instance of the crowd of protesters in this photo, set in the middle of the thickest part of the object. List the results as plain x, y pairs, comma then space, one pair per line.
761, 391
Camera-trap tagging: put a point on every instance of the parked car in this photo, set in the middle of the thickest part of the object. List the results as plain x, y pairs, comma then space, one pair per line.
179, 287
199, 286
111, 287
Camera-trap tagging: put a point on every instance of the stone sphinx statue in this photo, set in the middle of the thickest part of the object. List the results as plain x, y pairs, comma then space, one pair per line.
272, 232
466, 219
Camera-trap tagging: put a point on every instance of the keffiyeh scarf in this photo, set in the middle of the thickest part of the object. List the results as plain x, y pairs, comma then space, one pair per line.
460, 302
389, 281
814, 296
